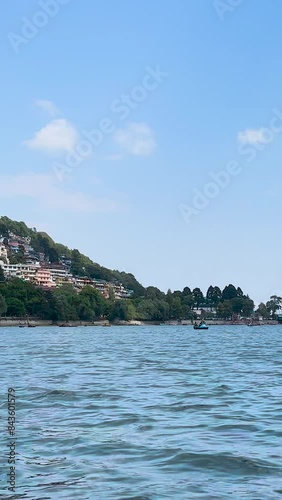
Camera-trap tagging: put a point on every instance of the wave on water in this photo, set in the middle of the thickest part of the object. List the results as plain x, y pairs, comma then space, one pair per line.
145, 413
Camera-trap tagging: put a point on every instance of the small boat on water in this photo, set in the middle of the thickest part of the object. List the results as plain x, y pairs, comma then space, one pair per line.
69, 325
201, 326
27, 324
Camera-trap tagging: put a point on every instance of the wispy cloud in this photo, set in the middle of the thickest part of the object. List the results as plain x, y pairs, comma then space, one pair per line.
45, 191
47, 106
58, 135
137, 139
252, 136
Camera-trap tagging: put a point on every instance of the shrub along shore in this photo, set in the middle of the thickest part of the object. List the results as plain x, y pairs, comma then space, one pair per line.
71, 301
16, 322
19, 298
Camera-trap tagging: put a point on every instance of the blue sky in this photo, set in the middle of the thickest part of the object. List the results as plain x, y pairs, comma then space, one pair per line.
204, 81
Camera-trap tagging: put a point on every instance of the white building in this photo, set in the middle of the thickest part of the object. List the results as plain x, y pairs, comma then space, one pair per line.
22, 271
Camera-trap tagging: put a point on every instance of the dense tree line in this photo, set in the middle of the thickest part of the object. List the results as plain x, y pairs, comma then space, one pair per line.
270, 309
19, 299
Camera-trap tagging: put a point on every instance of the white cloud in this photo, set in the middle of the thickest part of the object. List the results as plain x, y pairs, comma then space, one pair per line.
47, 106
253, 136
45, 191
58, 135
137, 139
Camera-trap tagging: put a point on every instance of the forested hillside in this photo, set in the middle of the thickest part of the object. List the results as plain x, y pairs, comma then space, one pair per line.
66, 302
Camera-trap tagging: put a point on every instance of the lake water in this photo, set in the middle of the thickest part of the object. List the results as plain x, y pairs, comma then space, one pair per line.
144, 413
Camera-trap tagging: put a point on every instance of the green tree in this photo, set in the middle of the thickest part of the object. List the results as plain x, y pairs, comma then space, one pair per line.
33, 306
111, 294
66, 303
3, 305
85, 309
188, 302
209, 297
169, 297
154, 293
146, 310
4, 232
95, 299
224, 310
198, 297
237, 304
123, 310
186, 291
176, 308
216, 295
248, 307
15, 308
229, 292
77, 265
53, 255
262, 311
2, 276
274, 305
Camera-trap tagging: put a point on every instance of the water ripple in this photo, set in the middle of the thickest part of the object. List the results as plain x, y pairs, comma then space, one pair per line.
145, 413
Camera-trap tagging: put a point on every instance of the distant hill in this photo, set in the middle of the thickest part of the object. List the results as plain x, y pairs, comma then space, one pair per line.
81, 265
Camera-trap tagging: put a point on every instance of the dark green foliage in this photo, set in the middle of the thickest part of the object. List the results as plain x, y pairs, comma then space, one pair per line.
15, 307
234, 302
152, 310
229, 292
154, 293
2, 277
123, 310
224, 310
274, 305
213, 296
198, 297
262, 311
18, 228
3, 305
19, 298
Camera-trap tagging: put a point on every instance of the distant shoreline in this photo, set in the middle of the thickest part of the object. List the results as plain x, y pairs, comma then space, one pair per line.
37, 322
